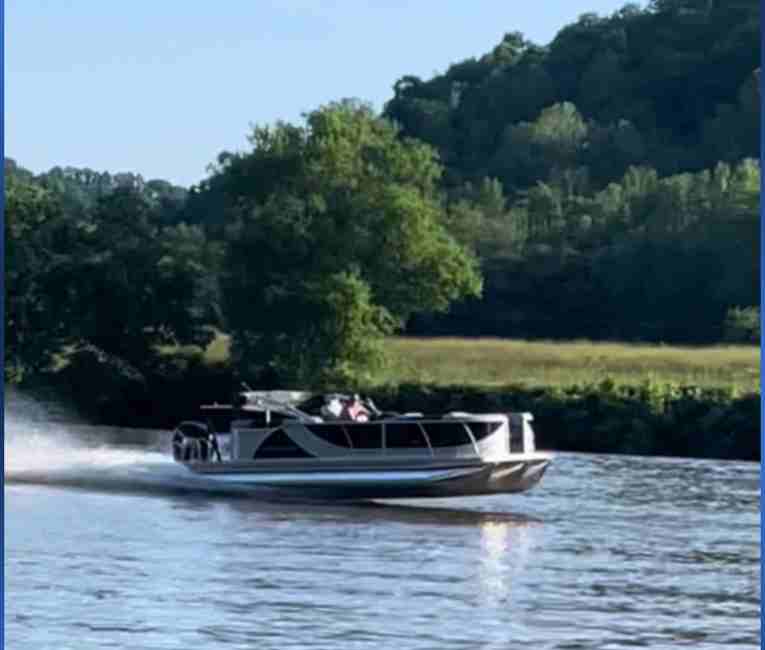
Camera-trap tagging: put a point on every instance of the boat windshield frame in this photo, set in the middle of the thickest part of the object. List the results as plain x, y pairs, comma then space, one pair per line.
265, 401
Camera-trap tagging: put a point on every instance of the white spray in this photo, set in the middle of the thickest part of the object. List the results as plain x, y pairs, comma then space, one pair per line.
46, 445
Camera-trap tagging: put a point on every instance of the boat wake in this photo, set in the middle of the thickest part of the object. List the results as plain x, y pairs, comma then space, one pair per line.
42, 449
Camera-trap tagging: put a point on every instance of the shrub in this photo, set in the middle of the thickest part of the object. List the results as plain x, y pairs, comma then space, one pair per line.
742, 325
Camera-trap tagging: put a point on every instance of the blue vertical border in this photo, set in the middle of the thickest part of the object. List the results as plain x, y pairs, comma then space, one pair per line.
762, 304
2, 304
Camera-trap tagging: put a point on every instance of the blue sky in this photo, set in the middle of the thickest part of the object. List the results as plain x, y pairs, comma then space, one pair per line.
161, 87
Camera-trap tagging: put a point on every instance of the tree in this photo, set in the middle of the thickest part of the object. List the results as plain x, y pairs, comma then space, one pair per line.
137, 285
530, 151
37, 243
336, 236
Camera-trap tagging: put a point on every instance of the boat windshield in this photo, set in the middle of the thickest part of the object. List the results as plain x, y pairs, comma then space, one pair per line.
340, 406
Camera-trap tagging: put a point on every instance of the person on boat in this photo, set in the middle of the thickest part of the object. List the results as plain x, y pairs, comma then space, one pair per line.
355, 410
333, 408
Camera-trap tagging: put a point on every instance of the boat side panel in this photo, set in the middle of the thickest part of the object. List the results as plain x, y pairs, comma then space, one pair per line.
486, 478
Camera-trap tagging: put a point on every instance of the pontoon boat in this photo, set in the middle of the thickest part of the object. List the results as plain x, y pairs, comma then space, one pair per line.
338, 446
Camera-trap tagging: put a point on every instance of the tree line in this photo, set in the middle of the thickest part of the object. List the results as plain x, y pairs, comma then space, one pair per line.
608, 181
604, 186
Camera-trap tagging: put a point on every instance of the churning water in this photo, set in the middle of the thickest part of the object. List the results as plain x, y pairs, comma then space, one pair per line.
108, 544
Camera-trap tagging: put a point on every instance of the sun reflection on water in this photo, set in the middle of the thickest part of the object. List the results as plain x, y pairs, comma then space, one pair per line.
505, 550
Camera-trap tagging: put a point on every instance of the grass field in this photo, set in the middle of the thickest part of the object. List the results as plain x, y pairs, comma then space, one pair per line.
493, 362
496, 362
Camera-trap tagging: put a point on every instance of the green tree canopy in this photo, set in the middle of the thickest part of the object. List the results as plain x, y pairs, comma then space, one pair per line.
36, 238
335, 235
104, 273
140, 284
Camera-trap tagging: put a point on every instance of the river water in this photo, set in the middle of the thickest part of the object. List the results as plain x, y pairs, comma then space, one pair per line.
114, 546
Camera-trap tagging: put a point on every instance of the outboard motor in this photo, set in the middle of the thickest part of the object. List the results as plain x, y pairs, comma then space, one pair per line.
193, 442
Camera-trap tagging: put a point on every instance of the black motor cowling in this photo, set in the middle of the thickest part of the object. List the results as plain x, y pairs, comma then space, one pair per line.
194, 442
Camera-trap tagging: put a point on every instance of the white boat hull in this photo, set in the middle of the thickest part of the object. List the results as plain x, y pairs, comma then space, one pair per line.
506, 476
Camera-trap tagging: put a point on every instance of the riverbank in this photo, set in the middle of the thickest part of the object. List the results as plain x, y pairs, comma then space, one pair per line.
644, 417
487, 362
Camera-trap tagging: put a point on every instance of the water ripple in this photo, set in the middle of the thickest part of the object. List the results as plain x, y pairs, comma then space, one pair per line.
608, 552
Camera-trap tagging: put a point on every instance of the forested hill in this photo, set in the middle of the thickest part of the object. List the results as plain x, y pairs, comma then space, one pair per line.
609, 181
672, 86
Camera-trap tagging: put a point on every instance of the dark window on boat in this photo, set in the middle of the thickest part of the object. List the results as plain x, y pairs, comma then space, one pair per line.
331, 433
404, 435
280, 445
447, 434
365, 436
481, 430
